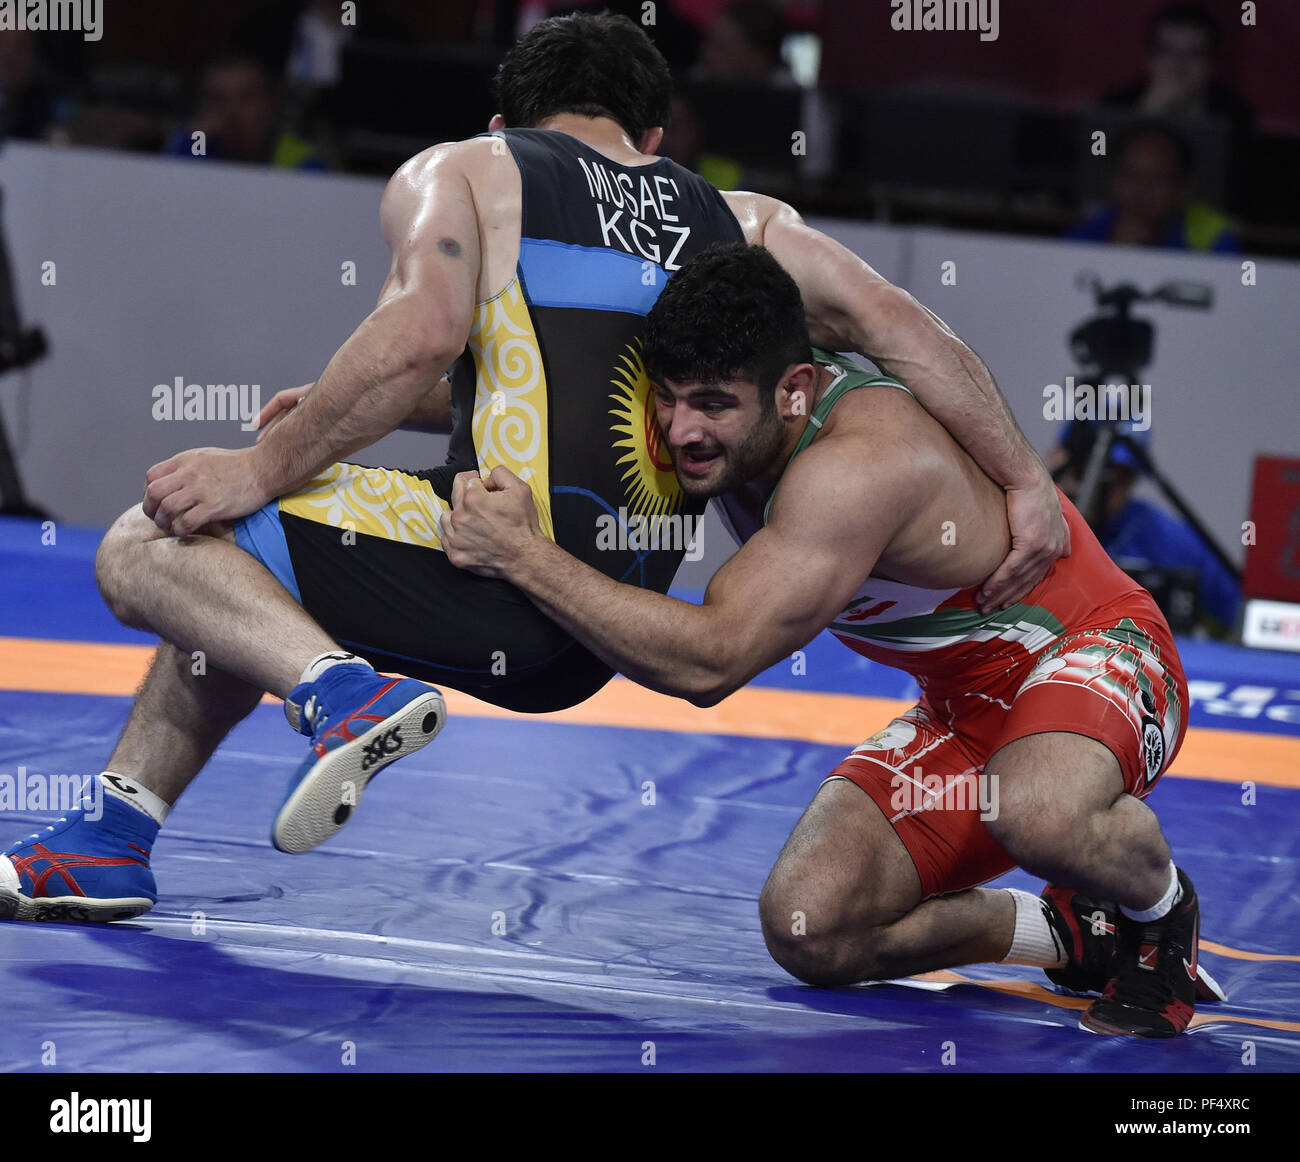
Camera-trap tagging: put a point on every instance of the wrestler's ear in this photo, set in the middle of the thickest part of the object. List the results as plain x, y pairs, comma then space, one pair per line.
794, 394
497, 123
650, 141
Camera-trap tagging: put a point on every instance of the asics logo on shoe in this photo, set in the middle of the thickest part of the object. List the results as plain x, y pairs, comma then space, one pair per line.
390, 742
1100, 925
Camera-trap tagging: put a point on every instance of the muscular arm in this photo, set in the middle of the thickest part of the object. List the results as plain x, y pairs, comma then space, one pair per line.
433, 411
379, 379
773, 596
852, 308
376, 379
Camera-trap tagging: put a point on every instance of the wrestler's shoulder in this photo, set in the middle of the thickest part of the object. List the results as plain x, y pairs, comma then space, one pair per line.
877, 435
755, 212
467, 154
882, 413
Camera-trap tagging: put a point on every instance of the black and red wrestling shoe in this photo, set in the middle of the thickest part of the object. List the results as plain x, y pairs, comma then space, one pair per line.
1152, 991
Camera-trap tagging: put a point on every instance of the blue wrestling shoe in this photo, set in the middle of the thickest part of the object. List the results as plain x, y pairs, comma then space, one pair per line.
82, 867
358, 722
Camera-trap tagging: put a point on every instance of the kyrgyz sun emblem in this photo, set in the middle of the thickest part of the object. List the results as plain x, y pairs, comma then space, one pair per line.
648, 475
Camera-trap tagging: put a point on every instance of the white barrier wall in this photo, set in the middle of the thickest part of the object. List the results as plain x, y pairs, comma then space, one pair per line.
216, 273
227, 274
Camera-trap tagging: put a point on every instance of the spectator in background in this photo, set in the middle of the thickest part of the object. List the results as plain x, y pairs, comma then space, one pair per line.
683, 141
741, 50
125, 106
27, 99
744, 47
1182, 83
313, 73
1136, 532
1151, 203
316, 50
1182, 62
240, 114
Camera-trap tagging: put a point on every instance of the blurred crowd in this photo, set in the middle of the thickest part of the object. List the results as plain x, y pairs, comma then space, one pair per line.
292, 83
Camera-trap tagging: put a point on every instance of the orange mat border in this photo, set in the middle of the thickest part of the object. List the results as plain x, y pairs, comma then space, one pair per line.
1228, 756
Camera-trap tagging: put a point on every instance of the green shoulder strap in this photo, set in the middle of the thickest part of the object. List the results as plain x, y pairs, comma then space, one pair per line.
846, 379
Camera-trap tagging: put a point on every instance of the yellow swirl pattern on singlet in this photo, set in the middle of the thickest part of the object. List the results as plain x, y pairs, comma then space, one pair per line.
379, 502
510, 420
509, 428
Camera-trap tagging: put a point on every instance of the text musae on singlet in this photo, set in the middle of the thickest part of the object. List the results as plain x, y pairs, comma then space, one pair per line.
635, 213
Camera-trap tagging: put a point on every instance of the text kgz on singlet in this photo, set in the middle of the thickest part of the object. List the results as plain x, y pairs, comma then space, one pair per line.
634, 213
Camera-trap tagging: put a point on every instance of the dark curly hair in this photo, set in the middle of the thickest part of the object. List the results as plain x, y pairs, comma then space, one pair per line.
731, 313
592, 64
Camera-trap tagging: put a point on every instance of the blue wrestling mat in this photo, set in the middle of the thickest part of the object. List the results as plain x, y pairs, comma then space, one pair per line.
577, 893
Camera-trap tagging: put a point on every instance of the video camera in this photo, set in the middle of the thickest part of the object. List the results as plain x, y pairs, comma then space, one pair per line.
1114, 347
